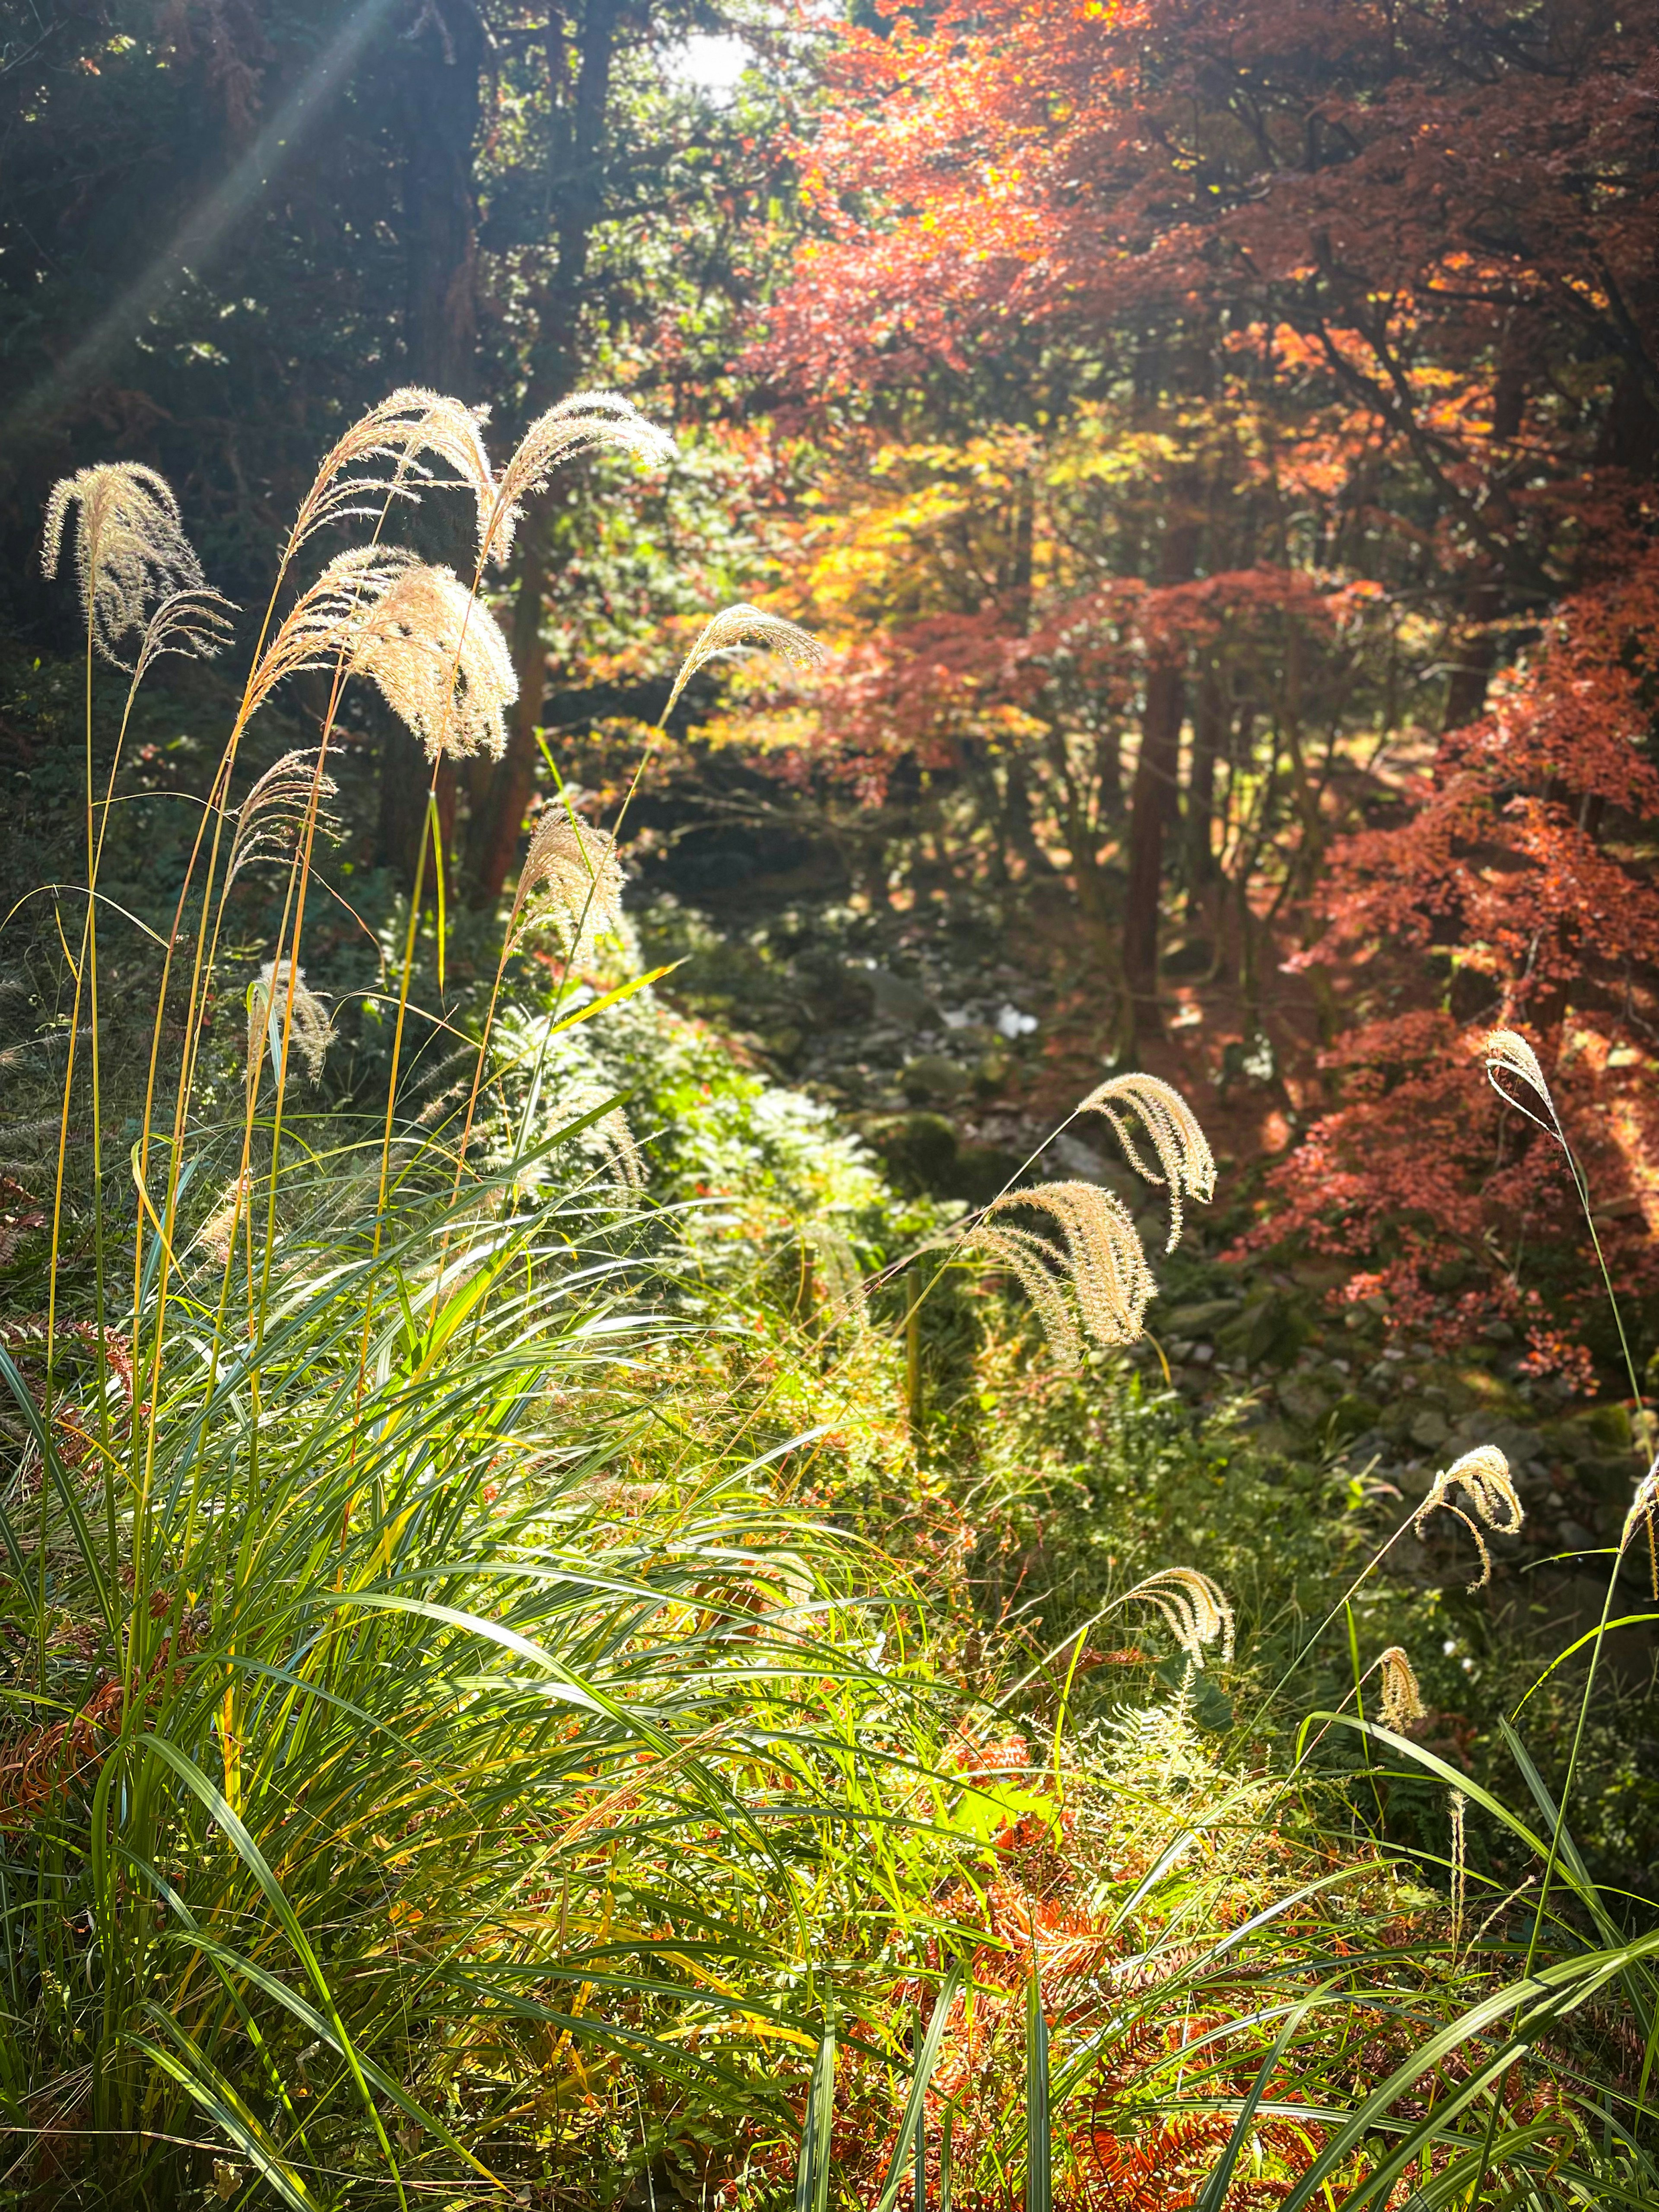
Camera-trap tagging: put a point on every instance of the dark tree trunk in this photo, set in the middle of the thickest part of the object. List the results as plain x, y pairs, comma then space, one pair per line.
1150, 798
440, 57
576, 196
1207, 722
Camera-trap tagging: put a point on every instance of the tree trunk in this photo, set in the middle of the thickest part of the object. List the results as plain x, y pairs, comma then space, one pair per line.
439, 58
576, 196
1155, 779
1201, 868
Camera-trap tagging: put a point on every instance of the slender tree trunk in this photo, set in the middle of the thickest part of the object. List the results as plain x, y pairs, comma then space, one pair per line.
1155, 778
1201, 867
440, 60
576, 194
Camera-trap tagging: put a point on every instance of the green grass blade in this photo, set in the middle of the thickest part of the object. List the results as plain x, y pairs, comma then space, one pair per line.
915, 2104
1039, 2133
812, 2168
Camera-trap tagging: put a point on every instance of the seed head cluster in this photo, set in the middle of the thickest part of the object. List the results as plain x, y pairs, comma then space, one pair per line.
1489, 1500
130, 550
1401, 1700
572, 878
1194, 1606
1180, 1145
270, 1021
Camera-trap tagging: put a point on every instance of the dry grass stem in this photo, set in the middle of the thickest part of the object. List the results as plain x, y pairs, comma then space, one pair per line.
744, 625
439, 661
404, 427
1182, 1149
1482, 1475
1194, 1606
1401, 1697
571, 876
585, 420
270, 819
268, 1018
129, 547
1460, 1867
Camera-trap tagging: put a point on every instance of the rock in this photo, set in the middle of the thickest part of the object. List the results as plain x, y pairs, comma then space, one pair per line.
931, 1075
901, 1001
1431, 1428
1304, 1400
1199, 1319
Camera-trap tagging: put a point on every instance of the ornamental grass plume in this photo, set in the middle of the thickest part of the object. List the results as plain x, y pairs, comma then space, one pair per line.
1194, 1608
571, 876
269, 1022
1182, 1148
438, 658
129, 547
1482, 1475
1101, 1261
743, 625
406, 426
1644, 1513
324, 624
1508, 1054
1400, 1698
584, 420
270, 820
839, 1271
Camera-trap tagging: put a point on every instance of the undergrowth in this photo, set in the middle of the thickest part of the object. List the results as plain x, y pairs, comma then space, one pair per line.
554, 1629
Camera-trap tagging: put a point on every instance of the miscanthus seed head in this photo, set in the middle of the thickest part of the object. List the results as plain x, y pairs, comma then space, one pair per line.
130, 550
1489, 1500
1194, 1606
1511, 1061
583, 421
572, 878
1400, 1698
438, 658
409, 430
271, 819
269, 1022
1178, 1143
743, 625
1644, 1515
1099, 1259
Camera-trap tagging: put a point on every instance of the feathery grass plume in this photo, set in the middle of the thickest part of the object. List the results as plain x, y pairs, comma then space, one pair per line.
194, 622
1644, 1513
744, 625
1482, 1475
325, 622
1400, 1698
406, 425
611, 1134
1460, 1867
439, 659
268, 1017
1101, 1259
843, 1281
1181, 1145
270, 819
571, 875
215, 1235
1508, 1053
129, 547
585, 419
1194, 1608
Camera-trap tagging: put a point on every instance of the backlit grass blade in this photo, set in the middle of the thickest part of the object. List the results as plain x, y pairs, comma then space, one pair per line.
915, 2104
1039, 2137
812, 2168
